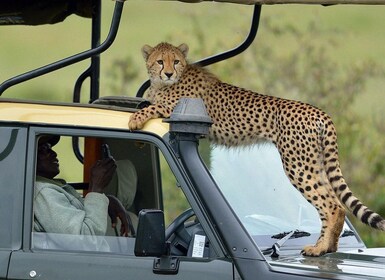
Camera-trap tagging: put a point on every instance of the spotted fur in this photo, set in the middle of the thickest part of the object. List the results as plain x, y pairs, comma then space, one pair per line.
304, 135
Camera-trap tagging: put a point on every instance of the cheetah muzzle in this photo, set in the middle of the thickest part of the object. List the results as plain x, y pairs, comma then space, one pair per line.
304, 135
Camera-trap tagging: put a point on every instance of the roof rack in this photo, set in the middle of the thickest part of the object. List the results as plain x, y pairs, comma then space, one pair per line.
123, 101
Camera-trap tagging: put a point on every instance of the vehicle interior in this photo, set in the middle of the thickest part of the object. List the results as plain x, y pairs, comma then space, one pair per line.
136, 182
141, 180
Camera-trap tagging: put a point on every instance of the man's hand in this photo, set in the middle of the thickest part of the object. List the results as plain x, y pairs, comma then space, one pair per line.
117, 210
101, 174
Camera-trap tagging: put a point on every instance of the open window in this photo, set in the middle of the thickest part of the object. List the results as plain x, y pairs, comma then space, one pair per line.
143, 180
135, 182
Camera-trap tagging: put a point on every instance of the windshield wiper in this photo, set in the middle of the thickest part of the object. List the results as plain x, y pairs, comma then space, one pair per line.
348, 232
293, 234
283, 237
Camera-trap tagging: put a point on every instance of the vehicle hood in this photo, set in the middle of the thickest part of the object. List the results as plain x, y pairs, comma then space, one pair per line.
358, 263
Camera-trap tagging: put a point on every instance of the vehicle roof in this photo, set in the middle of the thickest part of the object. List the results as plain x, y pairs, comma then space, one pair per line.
78, 115
320, 2
36, 12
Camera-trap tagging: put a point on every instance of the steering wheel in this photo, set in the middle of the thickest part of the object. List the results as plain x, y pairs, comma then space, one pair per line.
178, 222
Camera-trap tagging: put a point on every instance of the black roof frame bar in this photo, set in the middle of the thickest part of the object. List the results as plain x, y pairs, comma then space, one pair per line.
225, 55
72, 59
93, 71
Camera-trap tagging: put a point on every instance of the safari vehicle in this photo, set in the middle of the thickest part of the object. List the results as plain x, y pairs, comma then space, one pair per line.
239, 222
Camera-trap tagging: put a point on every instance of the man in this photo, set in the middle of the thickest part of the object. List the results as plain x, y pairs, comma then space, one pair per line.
59, 208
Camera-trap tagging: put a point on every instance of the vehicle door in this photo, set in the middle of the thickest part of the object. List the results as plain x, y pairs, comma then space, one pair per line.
48, 255
12, 169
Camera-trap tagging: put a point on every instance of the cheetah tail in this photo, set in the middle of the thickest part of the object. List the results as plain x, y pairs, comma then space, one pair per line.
355, 206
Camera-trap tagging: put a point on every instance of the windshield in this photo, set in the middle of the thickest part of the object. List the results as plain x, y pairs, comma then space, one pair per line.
253, 181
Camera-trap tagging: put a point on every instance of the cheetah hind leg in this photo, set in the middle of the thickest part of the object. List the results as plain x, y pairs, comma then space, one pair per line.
320, 194
314, 185
328, 240
332, 224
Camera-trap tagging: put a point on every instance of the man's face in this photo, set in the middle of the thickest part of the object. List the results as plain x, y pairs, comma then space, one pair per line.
47, 162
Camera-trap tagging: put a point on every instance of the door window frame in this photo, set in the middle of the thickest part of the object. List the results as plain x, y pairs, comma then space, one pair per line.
168, 154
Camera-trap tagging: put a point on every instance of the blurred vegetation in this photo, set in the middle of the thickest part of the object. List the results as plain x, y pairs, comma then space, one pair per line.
121, 72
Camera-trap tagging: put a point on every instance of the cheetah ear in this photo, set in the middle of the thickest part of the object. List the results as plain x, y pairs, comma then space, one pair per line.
184, 49
146, 51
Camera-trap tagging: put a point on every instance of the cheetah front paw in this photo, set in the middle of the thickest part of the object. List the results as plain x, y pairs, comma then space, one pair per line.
136, 121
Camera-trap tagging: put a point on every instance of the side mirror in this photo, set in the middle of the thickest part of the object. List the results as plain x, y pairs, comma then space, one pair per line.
150, 235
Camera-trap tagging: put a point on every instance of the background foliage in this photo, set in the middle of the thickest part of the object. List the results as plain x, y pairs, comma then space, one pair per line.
330, 57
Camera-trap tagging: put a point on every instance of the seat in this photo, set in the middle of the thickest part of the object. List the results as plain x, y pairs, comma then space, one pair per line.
124, 185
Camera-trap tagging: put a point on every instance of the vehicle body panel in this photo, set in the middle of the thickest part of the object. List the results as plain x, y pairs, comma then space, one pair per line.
72, 115
64, 265
361, 265
26, 262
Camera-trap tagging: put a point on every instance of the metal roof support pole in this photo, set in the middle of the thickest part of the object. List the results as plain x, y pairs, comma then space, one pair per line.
93, 71
72, 59
242, 47
95, 60
225, 55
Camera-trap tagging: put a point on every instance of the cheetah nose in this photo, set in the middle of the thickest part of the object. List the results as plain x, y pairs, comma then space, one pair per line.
168, 75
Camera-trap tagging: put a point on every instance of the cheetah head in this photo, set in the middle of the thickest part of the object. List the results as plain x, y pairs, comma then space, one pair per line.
165, 63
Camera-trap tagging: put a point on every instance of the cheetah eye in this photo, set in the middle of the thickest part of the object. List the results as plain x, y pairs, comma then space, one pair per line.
176, 62
160, 62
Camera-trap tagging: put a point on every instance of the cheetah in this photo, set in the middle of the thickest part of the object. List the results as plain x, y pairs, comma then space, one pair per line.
304, 135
